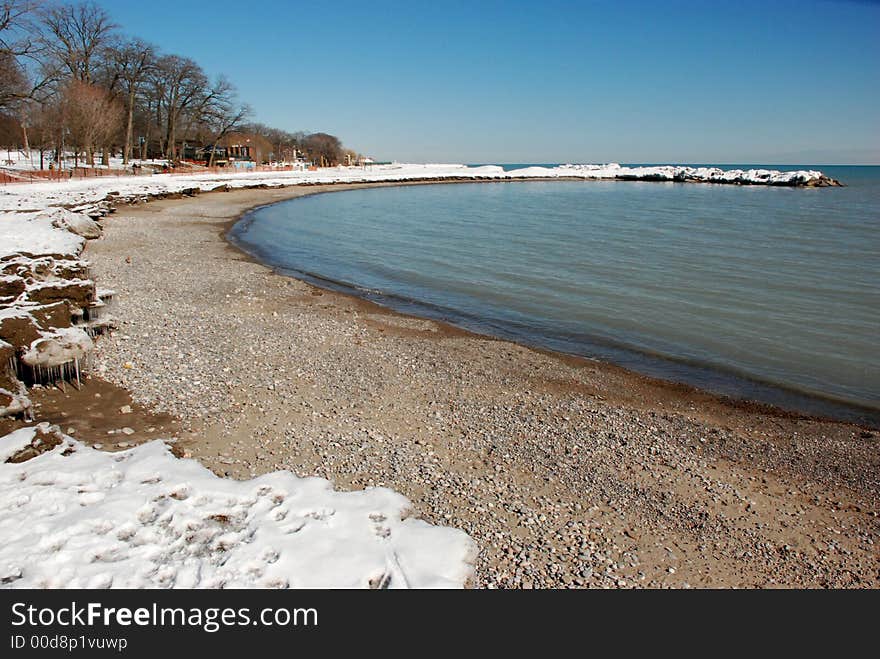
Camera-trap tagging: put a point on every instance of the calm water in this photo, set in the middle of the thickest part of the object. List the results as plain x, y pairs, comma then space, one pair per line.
764, 293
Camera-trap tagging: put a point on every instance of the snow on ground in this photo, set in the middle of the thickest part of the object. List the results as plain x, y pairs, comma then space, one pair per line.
76, 517
22, 196
18, 160
18, 201
34, 233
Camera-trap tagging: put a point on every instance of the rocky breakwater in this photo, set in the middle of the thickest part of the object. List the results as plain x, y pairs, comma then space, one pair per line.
50, 310
802, 178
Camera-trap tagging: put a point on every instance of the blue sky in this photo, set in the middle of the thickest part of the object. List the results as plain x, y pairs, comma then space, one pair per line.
549, 81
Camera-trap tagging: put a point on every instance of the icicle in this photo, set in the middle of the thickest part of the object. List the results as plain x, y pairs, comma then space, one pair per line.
76, 366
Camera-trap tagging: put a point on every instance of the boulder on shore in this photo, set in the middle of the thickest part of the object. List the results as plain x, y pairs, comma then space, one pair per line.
81, 225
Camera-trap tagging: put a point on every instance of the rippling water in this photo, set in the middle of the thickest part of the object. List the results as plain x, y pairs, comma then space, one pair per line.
765, 293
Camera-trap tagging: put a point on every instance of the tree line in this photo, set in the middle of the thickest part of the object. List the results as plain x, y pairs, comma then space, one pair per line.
72, 82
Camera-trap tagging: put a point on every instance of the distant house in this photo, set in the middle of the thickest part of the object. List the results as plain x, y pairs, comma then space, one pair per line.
234, 149
203, 154
247, 147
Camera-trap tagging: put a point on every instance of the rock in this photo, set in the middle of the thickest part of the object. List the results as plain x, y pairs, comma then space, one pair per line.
66, 269
52, 316
11, 286
12, 404
18, 328
128, 431
125, 409
45, 439
80, 292
81, 225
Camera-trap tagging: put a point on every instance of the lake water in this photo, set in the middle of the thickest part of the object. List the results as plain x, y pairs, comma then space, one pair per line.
755, 292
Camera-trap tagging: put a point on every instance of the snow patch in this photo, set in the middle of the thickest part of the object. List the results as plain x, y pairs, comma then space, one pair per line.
34, 233
76, 517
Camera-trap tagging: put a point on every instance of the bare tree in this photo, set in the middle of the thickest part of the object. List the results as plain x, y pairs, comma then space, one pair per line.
15, 27
16, 44
220, 112
132, 63
91, 115
22, 89
180, 86
13, 84
61, 61
76, 36
46, 129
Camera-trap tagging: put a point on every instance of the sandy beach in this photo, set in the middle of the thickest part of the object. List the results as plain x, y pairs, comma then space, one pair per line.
567, 472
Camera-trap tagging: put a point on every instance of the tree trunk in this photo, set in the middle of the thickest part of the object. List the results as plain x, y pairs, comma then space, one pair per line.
126, 151
24, 135
170, 135
170, 138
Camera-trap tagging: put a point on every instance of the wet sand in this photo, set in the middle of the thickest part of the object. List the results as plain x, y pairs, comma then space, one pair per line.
566, 471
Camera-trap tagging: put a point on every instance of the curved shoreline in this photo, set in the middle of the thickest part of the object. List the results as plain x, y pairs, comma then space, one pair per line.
738, 389
566, 471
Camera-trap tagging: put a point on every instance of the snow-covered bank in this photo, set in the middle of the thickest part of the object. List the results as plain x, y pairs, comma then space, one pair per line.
82, 191
49, 307
73, 516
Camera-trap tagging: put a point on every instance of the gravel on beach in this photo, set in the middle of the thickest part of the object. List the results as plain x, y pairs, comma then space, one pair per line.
567, 472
